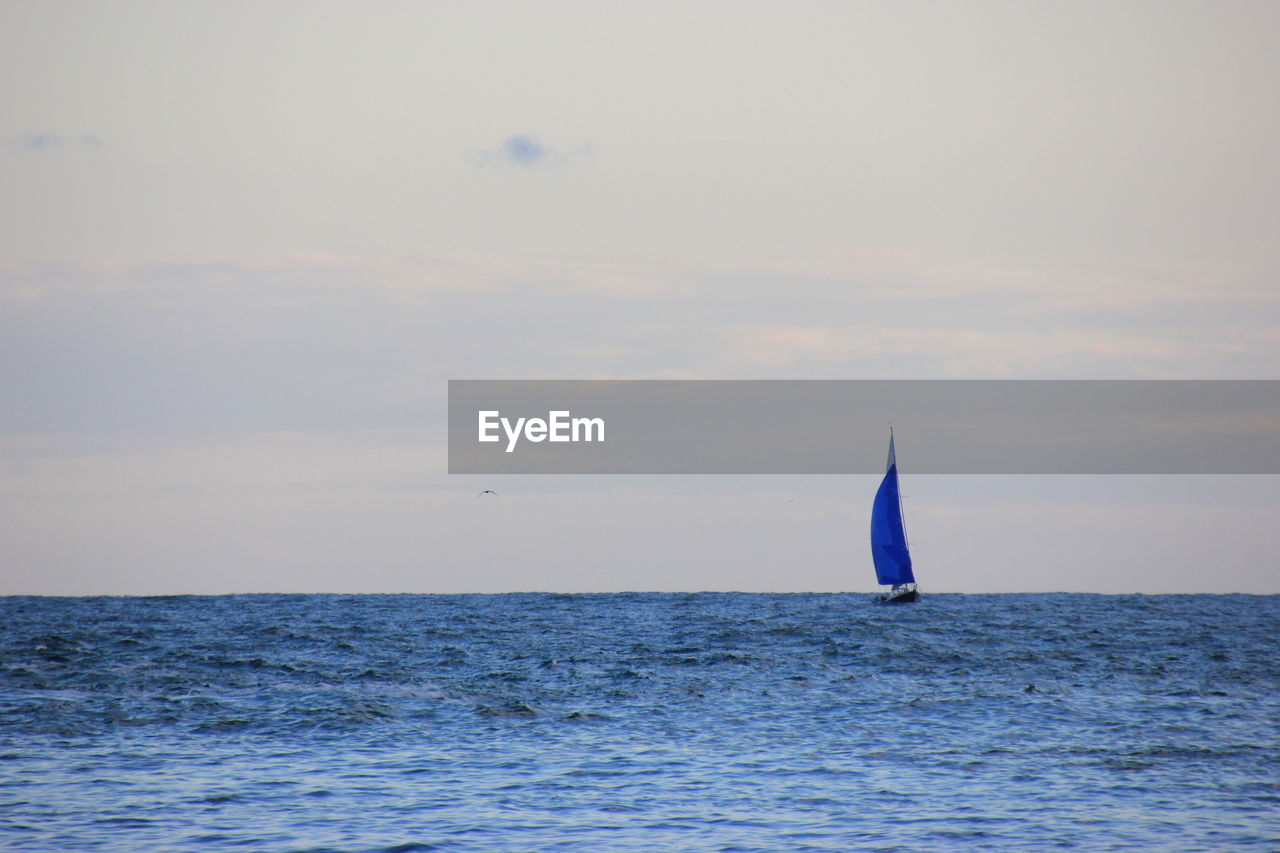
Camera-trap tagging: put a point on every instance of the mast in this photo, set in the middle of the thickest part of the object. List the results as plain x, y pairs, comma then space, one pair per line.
902, 515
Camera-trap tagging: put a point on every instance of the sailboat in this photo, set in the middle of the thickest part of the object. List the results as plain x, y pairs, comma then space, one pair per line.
889, 539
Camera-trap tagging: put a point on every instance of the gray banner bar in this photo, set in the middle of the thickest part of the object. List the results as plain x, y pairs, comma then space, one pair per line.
842, 426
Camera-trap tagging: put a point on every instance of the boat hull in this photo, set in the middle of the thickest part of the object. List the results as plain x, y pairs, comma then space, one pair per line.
907, 596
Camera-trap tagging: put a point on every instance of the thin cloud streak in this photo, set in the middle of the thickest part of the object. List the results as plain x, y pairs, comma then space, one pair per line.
43, 141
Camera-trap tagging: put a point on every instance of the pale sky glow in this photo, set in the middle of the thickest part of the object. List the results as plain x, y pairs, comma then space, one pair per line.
243, 246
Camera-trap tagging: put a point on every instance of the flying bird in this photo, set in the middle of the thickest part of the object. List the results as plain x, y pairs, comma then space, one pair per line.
488, 492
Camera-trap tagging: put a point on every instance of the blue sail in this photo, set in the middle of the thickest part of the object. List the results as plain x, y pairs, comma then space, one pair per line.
888, 537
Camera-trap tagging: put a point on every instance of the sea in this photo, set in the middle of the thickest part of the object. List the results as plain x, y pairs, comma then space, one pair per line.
640, 722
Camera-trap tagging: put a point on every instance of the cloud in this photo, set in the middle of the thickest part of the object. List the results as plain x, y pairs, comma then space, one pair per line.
524, 150
43, 141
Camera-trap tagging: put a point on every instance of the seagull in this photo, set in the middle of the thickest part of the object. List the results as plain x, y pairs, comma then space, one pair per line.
488, 492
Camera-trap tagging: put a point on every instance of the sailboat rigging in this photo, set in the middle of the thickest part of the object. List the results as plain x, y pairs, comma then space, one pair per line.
889, 549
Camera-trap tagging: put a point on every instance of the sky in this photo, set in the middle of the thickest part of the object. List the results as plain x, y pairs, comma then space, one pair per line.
244, 246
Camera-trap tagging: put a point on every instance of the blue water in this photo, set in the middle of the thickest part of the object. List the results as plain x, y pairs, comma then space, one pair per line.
646, 722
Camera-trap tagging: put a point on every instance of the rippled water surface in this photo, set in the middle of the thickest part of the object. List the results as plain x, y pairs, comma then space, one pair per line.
646, 722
